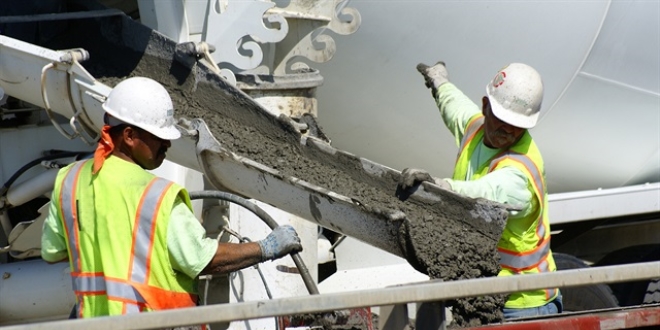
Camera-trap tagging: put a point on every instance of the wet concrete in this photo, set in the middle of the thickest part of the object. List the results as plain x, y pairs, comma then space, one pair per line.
440, 239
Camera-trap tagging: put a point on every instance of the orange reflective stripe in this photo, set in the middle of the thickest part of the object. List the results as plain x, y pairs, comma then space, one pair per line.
70, 212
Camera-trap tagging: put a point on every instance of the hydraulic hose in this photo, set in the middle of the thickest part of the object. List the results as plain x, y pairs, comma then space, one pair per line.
54, 154
259, 212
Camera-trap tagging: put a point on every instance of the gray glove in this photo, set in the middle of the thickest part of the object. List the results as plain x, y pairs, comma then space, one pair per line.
413, 176
434, 76
280, 242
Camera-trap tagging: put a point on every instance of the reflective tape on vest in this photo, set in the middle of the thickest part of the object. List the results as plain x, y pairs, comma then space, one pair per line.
120, 290
537, 178
524, 260
543, 268
88, 284
145, 229
473, 127
94, 283
116, 289
529, 259
529, 165
70, 212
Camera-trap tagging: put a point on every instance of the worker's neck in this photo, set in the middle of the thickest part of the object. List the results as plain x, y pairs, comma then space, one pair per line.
122, 155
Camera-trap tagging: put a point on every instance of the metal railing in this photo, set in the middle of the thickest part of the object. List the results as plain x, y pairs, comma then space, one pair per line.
414, 292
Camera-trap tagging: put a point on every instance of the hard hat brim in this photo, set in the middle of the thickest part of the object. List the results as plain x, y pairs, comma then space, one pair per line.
510, 117
166, 133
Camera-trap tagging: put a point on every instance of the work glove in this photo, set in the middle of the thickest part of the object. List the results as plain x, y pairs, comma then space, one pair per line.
434, 76
280, 242
414, 176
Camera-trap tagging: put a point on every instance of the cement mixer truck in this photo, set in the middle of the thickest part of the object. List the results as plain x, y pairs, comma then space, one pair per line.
252, 129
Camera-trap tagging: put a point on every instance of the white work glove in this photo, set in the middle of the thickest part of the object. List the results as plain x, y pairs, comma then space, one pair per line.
434, 76
280, 242
414, 176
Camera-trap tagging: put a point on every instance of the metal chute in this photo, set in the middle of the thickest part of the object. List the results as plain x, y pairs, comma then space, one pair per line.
76, 93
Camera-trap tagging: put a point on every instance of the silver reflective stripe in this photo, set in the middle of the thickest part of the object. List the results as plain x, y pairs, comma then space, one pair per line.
538, 182
88, 284
471, 130
543, 268
123, 291
145, 222
540, 228
524, 261
132, 309
113, 288
67, 202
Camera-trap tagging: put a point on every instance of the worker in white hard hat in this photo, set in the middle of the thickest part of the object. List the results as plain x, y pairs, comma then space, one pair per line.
499, 161
131, 238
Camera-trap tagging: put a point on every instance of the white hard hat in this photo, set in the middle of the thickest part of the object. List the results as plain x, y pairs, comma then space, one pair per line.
145, 103
516, 94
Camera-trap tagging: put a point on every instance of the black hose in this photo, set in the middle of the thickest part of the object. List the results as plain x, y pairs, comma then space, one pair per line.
252, 207
54, 154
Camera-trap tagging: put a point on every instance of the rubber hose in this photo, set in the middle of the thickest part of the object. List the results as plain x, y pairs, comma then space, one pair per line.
259, 212
26, 167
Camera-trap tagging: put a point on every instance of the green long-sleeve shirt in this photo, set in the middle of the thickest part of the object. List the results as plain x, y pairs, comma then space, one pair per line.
507, 185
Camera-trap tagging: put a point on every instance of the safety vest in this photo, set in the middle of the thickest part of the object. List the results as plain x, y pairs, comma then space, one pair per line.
524, 247
115, 226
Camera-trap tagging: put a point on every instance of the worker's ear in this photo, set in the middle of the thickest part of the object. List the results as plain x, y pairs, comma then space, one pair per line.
130, 135
485, 104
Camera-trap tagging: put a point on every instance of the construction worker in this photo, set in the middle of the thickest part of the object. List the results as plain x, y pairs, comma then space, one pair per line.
499, 161
131, 238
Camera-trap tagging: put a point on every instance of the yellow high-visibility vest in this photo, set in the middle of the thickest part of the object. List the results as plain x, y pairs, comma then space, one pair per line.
524, 247
116, 231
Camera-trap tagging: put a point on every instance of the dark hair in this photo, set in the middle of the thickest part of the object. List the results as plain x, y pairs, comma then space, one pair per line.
116, 130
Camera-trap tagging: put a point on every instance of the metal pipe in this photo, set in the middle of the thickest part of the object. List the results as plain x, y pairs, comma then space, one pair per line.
32, 188
6, 225
419, 292
61, 16
50, 156
34, 291
304, 272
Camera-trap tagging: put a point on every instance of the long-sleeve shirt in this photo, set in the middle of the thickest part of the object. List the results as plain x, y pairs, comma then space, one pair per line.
507, 185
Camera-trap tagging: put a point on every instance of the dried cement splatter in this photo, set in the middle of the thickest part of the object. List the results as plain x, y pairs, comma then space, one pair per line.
437, 240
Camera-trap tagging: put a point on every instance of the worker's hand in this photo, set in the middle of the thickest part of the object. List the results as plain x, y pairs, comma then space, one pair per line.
280, 242
414, 176
434, 76
442, 183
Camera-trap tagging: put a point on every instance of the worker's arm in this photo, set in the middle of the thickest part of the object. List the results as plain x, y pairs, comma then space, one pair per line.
231, 257
53, 243
456, 109
192, 253
507, 185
